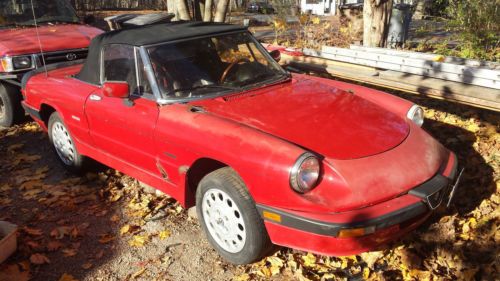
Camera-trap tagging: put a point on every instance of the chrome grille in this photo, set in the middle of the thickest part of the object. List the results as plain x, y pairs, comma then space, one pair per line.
62, 56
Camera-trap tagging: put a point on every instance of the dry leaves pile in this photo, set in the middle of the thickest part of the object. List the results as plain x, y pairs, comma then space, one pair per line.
45, 210
57, 214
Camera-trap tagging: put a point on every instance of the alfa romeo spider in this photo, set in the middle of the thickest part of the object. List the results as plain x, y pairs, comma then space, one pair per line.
202, 112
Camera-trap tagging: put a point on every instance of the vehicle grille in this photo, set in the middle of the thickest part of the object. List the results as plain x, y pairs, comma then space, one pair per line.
63, 56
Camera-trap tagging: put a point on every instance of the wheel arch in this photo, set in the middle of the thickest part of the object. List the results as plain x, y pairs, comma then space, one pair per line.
197, 171
45, 111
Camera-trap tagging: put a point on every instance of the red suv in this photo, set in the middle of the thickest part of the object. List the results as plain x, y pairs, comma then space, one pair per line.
60, 37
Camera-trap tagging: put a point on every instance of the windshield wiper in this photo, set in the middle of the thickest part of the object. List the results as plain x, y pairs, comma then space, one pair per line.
211, 86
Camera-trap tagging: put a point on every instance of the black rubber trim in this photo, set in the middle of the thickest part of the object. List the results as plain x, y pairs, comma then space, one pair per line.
332, 229
33, 112
49, 67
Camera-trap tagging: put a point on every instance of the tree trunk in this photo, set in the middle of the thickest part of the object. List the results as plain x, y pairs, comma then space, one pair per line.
220, 12
172, 8
208, 10
376, 17
182, 9
197, 11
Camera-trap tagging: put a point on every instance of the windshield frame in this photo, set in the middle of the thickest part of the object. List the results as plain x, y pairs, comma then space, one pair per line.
72, 14
164, 99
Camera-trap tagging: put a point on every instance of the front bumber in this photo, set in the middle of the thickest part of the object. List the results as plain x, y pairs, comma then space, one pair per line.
387, 221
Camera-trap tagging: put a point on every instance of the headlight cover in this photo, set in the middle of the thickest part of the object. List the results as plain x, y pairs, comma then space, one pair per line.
305, 173
11, 64
416, 114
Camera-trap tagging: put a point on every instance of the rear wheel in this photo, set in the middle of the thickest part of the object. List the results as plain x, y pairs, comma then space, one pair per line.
63, 144
11, 111
230, 219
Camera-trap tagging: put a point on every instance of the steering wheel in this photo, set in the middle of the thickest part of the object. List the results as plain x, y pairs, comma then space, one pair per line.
230, 67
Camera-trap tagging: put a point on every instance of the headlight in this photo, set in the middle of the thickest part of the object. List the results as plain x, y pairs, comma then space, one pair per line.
416, 114
305, 173
10, 64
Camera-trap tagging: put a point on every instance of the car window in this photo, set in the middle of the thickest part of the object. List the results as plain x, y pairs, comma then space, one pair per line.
119, 65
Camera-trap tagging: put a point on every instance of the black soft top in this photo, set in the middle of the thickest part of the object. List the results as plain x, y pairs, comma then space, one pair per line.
147, 35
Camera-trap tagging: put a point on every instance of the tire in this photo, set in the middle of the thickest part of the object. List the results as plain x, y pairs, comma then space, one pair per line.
11, 111
228, 215
63, 144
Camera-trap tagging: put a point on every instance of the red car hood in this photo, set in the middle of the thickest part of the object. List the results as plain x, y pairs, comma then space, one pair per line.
323, 119
54, 38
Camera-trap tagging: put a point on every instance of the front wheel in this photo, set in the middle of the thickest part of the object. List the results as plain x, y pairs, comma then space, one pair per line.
63, 144
230, 219
11, 111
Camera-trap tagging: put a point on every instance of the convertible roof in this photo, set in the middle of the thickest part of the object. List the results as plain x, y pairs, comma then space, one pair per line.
147, 35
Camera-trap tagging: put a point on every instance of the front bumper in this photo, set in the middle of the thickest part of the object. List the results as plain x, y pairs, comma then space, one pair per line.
362, 229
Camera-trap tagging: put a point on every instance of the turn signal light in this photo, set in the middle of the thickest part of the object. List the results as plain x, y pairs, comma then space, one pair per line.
271, 216
355, 232
352, 232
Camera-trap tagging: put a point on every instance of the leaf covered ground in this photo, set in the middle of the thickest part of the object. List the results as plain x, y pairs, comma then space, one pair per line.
104, 226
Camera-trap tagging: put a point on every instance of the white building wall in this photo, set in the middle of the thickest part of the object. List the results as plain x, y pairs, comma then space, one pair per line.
319, 7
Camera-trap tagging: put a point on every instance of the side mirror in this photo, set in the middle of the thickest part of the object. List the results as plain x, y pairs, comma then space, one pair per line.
116, 90
276, 55
89, 19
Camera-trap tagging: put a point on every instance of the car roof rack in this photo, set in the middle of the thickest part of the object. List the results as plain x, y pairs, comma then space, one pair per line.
125, 21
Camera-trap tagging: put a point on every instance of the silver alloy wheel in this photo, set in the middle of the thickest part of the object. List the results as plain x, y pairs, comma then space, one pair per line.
224, 220
63, 143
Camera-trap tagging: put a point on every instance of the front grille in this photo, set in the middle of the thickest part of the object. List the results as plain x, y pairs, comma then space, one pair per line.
62, 56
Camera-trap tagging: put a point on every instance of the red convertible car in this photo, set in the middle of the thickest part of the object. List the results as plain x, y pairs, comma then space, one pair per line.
202, 112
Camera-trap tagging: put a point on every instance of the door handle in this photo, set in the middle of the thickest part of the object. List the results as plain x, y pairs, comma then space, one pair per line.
95, 98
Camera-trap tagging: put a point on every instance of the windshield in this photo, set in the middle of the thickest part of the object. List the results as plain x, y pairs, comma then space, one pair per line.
212, 65
20, 13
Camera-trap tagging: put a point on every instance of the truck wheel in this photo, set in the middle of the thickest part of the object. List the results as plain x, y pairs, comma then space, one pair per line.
230, 219
11, 111
63, 144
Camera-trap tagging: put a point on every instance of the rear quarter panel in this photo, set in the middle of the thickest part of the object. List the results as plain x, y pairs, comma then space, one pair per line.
67, 95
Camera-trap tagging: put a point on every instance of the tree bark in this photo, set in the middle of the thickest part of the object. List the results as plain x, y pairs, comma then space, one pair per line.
208, 10
182, 9
220, 12
376, 18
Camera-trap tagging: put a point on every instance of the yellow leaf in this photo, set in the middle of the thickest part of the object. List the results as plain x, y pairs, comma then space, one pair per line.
366, 273
39, 259
67, 277
138, 240
242, 277
309, 260
138, 273
164, 234
125, 229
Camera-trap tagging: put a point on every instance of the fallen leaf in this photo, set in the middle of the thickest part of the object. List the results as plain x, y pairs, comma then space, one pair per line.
69, 252
86, 265
39, 259
125, 229
138, 273
138, 240
32, 231
106, 238
13, 273
164, 234
54, 246
114, 218
309, 260
67, 277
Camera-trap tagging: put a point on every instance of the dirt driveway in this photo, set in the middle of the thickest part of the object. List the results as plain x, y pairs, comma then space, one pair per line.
104, 226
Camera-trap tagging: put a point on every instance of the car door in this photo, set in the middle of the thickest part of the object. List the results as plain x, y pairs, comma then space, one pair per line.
124, 128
